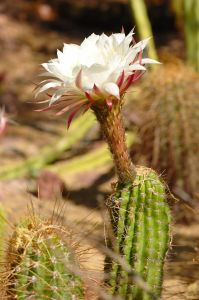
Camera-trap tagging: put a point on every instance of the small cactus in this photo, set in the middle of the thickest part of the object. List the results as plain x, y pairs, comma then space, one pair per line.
140, 219
40, 265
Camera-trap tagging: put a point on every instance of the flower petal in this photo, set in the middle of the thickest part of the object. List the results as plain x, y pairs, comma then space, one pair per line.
141, 45
47, 86
112, 89
101, 68
150, 61
56, 96
136, 67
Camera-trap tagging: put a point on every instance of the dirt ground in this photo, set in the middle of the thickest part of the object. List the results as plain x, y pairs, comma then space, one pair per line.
23, 48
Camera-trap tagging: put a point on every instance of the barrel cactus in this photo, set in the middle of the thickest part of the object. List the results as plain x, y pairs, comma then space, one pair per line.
140, 219
169, 129
41, 263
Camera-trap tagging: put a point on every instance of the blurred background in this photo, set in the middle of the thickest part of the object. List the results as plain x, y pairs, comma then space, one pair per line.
40, 161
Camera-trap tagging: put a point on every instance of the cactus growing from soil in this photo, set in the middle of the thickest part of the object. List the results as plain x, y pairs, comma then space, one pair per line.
40, 264
169, 131
102, 69
139, 216
140, 219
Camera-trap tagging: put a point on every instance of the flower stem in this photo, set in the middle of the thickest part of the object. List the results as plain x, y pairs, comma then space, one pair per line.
113, 130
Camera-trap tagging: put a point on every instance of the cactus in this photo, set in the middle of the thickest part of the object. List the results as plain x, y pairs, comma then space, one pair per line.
137, 207
106, 98
140, 219
40, 265
169, 132
2, 230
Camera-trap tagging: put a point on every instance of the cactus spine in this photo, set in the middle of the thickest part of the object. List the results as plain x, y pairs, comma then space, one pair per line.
140, 219
40, 265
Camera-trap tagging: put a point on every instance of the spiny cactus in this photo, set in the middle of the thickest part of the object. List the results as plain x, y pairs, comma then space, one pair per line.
2, 229
41, 265
105, 97
140, 218
169, 131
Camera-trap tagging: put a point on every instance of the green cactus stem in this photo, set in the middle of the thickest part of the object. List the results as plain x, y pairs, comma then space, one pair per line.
140, 220
41, 265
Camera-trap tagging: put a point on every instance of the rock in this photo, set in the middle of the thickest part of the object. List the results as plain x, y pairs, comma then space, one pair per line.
50, 186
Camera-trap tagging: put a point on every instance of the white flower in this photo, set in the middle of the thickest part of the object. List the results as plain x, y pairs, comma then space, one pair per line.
102, 68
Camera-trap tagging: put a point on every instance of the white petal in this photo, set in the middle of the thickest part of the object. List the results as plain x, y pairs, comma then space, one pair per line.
60, 55
47, 86
49, 80
71, 55
149, 61
112, 89
46, 66
101, 58
119, 37
47, 74
141, 45
136, 67
56, 96
70, 47
51, 68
